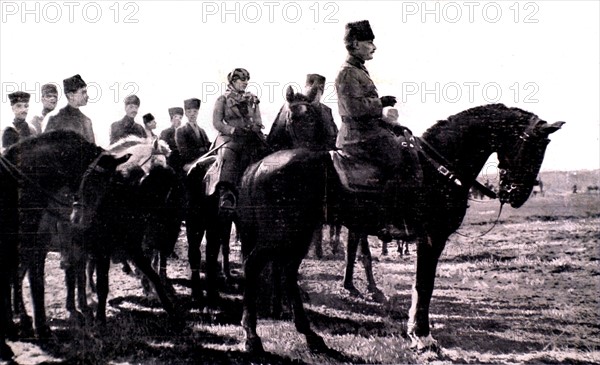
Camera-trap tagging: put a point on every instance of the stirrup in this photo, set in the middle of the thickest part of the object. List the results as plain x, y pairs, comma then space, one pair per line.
227, 201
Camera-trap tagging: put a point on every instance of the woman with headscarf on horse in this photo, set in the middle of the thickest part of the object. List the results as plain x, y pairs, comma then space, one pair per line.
237, 118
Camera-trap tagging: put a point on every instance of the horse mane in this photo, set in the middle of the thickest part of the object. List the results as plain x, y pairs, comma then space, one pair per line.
499, 112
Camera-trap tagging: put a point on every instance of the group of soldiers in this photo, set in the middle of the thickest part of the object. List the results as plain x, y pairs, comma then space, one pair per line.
367, 133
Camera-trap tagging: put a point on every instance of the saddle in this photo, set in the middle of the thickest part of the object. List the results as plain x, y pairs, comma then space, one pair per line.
362, 176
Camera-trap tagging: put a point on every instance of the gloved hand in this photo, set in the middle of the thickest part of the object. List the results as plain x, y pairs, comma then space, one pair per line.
388, 101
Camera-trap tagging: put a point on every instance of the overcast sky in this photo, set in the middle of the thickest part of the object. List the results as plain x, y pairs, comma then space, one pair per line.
437, 58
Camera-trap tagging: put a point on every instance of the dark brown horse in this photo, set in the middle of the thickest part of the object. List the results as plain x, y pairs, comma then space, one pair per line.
281, 203
32, 173
123, 210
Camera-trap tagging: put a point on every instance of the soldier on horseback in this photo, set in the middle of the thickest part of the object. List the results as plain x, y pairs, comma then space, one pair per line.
365, 133
237, 118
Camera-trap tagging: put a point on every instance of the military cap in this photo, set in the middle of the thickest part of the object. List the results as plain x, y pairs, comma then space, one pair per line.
192, 103
49, 89
73, 83
148, 118
19, 97
176, 110
358, 31
238, 73
132, 99
315, 80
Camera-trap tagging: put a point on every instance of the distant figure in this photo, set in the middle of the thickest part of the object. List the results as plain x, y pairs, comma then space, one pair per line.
127, 126
70, 117
19, 101
575, 189
149, 126
168, 135
192, 141
49, 99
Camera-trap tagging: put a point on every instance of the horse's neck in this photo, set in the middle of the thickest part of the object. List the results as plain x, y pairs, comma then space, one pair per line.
465, 147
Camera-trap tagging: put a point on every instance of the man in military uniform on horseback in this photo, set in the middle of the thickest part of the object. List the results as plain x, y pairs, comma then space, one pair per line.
366, 134
127, 125
19, 101
70, 117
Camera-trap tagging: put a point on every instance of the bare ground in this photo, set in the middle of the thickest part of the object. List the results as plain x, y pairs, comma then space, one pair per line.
527, 292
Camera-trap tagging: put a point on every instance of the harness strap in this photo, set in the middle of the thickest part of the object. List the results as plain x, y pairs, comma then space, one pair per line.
445, 169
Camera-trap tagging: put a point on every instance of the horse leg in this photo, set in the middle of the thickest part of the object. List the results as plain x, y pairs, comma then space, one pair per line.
144, 265
406, 252
214, 237
253, 266
353, 239
102, 268
428, 253
18, 305
36, 282
318, 241
194, 232
314, 341
225, 252
6, 352
367, 262
335, 238
91, 267
384, 248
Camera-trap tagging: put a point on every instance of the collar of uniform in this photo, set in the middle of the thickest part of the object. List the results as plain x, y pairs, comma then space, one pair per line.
72, 110
357, 62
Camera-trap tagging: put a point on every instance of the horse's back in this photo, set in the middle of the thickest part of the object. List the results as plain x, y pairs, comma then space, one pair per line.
282, 195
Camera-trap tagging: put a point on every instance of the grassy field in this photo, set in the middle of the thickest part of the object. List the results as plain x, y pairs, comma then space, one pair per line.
527, 292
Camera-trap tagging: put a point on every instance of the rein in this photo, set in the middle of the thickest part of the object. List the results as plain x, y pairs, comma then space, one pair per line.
452, 177
489, 230
21, 178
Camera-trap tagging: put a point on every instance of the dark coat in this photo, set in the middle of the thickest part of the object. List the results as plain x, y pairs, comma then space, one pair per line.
125, 127
190, 145
363, 135
18, 131
174, 159
69, 118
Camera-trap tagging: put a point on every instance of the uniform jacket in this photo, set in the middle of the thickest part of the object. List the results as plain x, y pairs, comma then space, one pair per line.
363, 135
125, 127
190, 145
18, 131
174, 159
69, 118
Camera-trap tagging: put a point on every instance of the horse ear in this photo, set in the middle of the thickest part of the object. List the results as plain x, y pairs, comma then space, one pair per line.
289, 94
551, 128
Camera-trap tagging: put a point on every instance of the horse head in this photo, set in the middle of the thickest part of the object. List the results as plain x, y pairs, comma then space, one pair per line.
303, 120
94, 185
520, 157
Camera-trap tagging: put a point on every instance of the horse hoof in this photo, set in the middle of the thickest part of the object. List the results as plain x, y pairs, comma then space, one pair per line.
316, 344
352, 291
425, 344
378, 296
6, 353
254, 345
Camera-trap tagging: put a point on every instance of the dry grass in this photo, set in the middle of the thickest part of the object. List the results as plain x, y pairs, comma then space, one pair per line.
525, 293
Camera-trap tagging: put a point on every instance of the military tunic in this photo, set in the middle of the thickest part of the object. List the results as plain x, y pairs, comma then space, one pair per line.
174, 159
70, 118
191, 142
363, 134
125, 127
18, 131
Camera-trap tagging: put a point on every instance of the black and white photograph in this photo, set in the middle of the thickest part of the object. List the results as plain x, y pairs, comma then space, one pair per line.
299, 182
